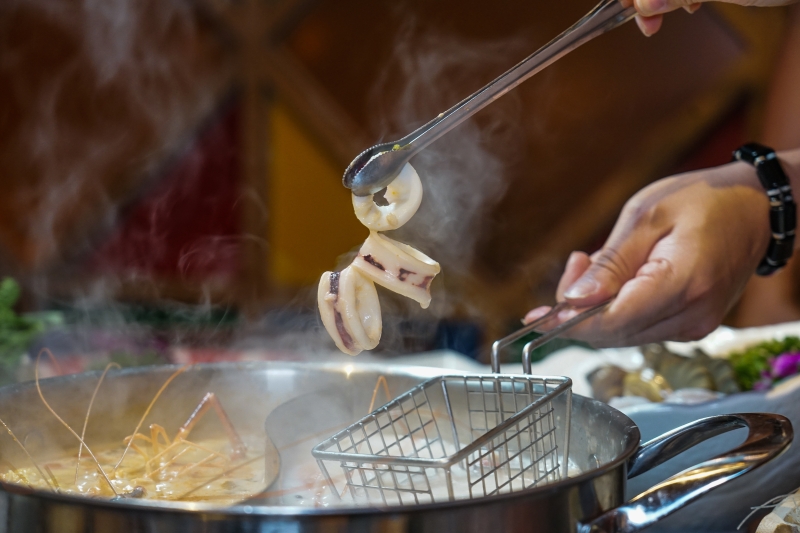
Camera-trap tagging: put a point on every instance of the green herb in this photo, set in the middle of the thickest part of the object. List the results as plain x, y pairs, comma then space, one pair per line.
16, 332
750, 363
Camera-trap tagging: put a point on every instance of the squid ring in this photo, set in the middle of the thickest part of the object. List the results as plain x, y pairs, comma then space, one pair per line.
403, 196
350, 310
398, 267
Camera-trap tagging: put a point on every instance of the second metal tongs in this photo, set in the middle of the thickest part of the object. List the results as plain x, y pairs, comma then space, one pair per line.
376, 167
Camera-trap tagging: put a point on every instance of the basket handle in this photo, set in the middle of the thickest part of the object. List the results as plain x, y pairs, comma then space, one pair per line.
768, 436
545, 337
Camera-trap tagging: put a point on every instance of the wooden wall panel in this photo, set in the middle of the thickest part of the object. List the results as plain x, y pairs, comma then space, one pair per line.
312, 220
87, 130
92, 107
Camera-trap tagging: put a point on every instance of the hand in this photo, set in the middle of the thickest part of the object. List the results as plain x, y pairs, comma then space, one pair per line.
677, 259
651, 12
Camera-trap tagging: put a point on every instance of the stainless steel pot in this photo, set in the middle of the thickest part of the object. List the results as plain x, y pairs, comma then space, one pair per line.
604, 444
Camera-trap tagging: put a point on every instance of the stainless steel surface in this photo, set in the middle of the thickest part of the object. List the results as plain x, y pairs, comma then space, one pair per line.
318, 409
767, 438
498, 345
376, 167
404, 451
602, 443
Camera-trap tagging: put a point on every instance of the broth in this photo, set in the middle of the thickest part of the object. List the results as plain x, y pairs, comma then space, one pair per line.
186, 471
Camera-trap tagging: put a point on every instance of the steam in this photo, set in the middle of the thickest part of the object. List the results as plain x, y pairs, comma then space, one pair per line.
120, 93
99, 112
462, 173
463, 179
123, 51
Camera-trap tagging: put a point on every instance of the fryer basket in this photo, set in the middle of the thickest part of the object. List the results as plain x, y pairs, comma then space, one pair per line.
453, 437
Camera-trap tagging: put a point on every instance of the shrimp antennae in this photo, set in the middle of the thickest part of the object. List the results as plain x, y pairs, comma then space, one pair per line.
88, 412
53, 360
220, 476
41, 396
211, 400
24, 449
52, 477
381, 381
175, 374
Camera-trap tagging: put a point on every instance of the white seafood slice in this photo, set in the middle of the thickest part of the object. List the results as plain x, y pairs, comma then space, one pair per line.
350, 310
403, 196
398, 267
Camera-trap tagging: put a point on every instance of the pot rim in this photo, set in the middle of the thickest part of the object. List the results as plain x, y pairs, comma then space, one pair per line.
631, 433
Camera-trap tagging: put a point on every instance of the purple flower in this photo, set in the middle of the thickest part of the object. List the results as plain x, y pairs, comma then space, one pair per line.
785, 365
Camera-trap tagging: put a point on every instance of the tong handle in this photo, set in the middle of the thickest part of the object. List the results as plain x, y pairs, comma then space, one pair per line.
545, 338
606, 16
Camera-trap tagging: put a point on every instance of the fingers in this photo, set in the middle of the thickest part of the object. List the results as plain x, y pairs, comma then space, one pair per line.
626, 250
633, 308
536, 314
644, 301
650, 8
653, 296
653, 305
650, 14
682, 327
649, 25
577, 264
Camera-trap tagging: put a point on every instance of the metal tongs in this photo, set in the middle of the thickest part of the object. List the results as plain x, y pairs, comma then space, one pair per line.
545, 337
376, 167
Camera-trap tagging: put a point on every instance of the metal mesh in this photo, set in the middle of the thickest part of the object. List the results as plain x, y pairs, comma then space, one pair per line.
452, 437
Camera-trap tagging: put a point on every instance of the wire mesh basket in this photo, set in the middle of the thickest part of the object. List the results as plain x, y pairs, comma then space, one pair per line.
454, 437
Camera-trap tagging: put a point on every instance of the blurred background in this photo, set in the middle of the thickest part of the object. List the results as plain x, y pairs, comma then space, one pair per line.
170, 169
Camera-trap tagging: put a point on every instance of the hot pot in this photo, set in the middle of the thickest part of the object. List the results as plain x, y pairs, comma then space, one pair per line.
604, 444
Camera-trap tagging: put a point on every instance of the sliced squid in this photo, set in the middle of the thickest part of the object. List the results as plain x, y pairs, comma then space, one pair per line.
350, 310
402, 198
398, 267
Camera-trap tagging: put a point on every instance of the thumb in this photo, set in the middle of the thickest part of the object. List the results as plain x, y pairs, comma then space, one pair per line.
616, 263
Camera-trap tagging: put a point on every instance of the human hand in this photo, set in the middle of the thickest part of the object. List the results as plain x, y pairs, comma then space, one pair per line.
651, 12
678, 258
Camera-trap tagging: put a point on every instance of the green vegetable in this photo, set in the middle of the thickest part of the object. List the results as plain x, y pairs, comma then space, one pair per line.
16, 332
750, 363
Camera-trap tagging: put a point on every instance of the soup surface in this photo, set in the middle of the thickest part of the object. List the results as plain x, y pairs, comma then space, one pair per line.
205, 470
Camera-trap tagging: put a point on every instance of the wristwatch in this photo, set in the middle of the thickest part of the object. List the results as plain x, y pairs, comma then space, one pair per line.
782, 209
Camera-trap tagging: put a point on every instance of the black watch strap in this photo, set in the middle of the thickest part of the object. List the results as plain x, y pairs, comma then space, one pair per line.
782, 209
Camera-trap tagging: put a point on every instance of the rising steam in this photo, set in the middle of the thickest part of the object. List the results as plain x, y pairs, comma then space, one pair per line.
463, 172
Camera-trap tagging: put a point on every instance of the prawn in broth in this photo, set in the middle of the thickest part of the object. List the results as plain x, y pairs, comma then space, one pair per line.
221, 465
221, 469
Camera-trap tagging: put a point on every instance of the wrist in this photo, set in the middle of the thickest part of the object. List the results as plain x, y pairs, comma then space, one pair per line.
755, 206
